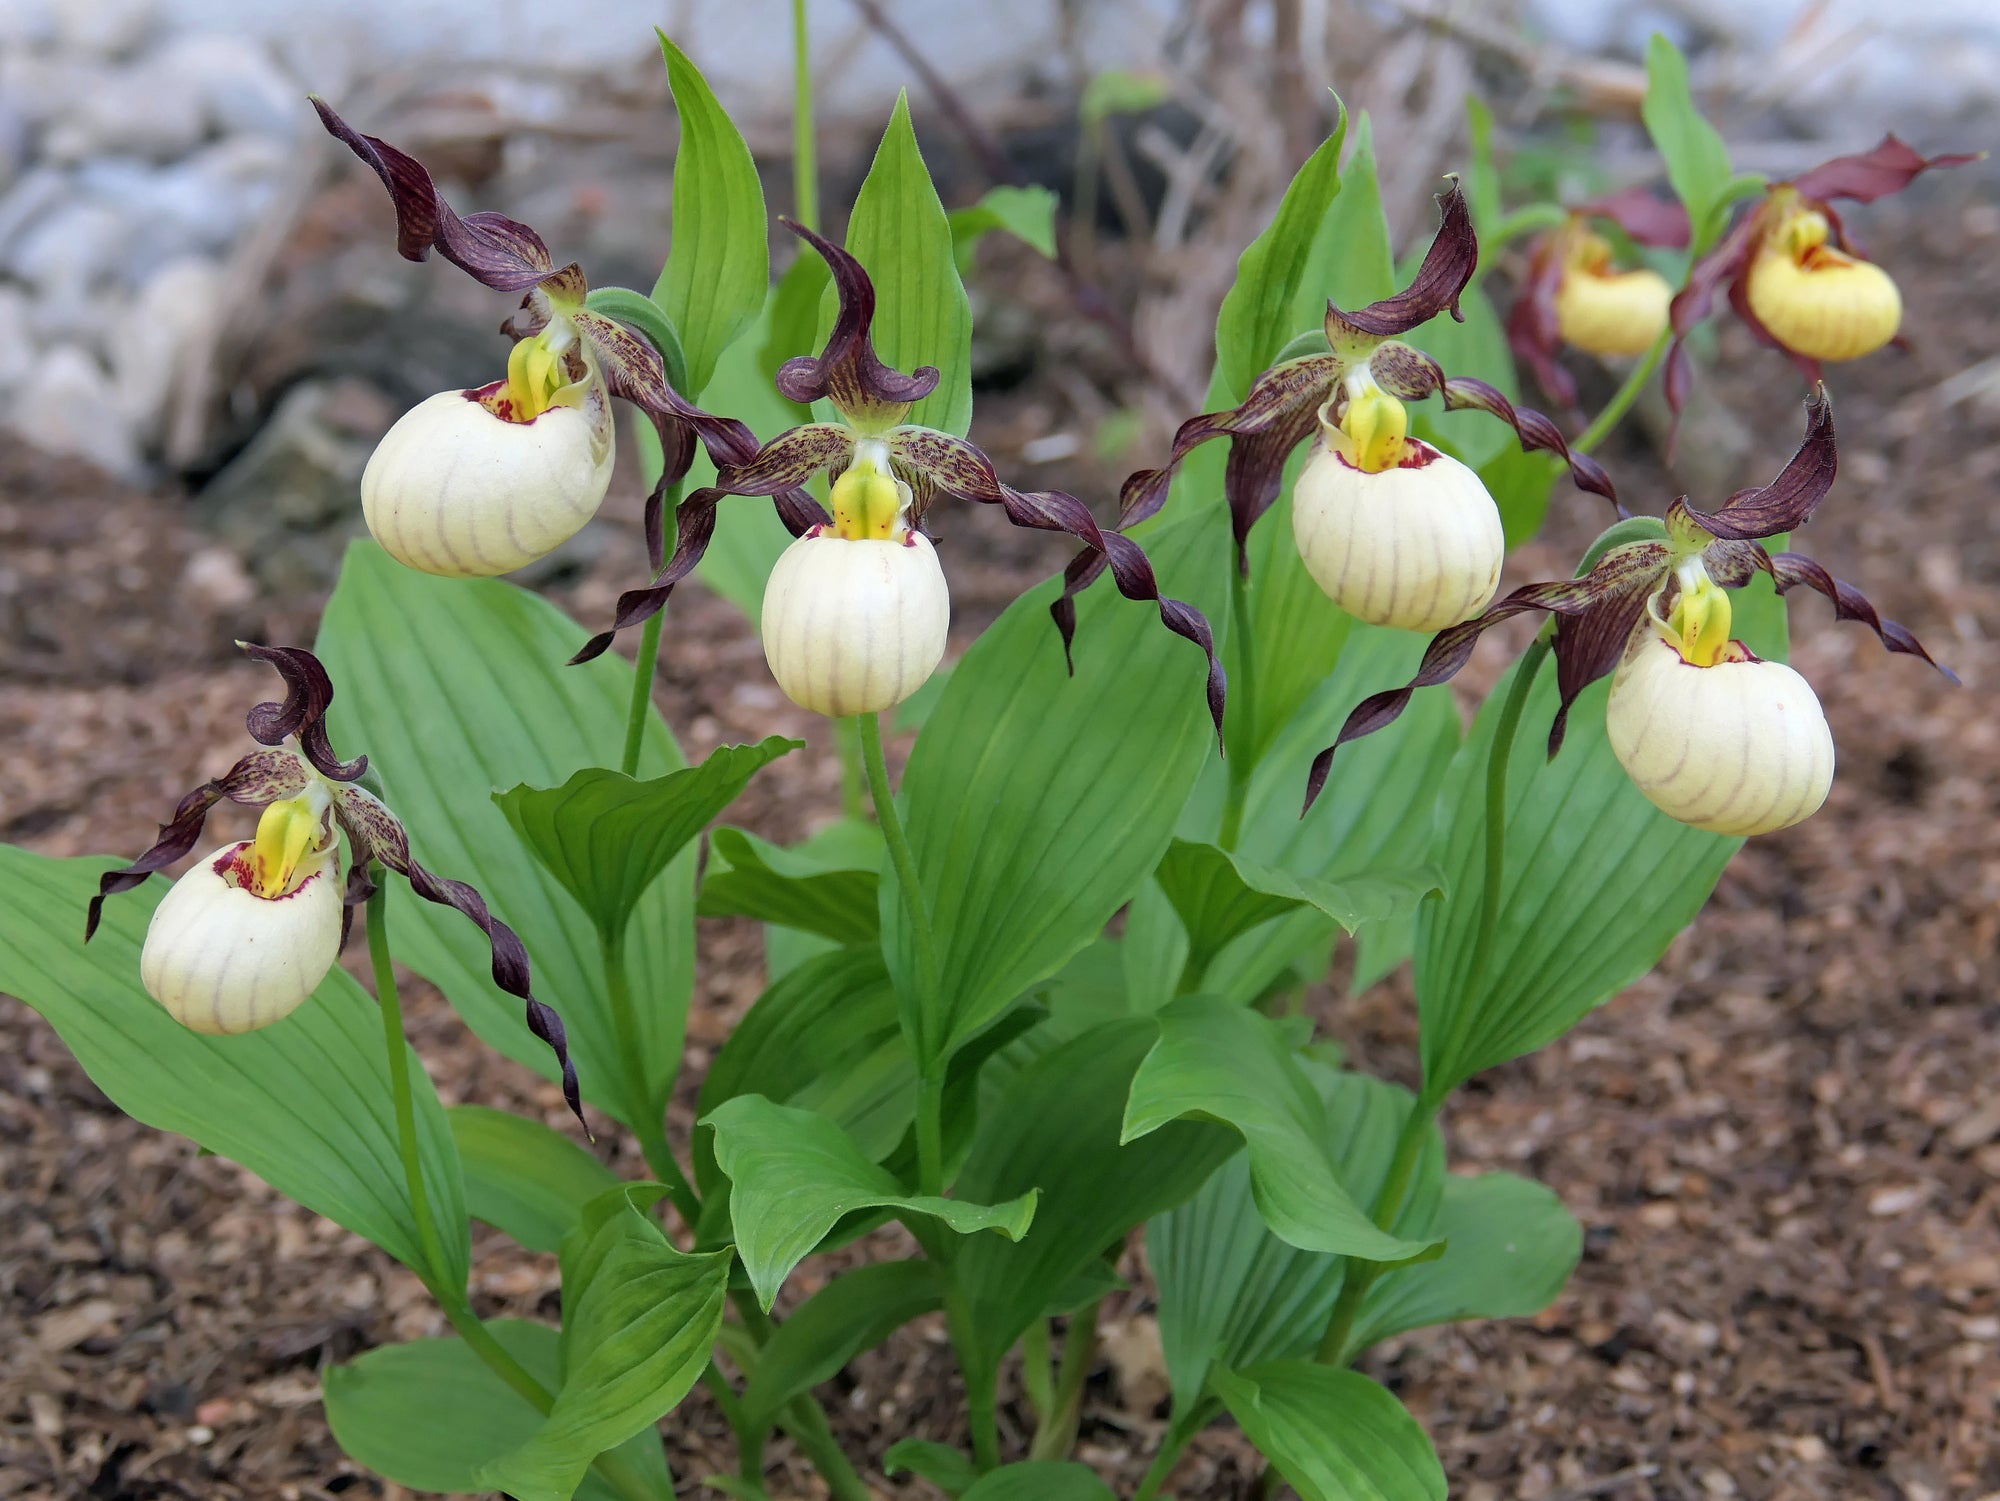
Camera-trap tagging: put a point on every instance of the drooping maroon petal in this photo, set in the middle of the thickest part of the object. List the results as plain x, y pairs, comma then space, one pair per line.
1888, 168
261, 777
1444, 275
960, 469
1789, 501
1644, 215
1534, 332
1449, 651
1255, 472
378, 834
1790, 569
1707, 276
848, 372
498, 251
360, 886
1590, 643
308, 692
790, 459
633, 369
1536, 432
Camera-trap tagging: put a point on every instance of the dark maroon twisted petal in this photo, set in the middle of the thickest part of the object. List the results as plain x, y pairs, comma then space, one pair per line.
260, 777
308, 692
1255, 471
1444, 275
633, 369
790, 459
378, 834
847, 371
958, 468
677, 442
1790, 569
1534, 333
500, 252
1889, 167
1789, 501
1536, 432
1644, 215
1722, 266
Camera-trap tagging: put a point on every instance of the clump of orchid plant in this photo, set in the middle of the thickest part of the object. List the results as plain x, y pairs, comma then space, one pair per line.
247, 934
1712, 735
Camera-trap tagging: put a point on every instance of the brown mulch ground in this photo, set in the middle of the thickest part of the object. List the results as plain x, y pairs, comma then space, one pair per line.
1783, 1144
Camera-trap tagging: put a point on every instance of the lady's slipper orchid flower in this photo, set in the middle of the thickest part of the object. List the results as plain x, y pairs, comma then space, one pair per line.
1793, 274
848, 624
1393, 530
469, 484
1712, 735
1575, 294
247, 934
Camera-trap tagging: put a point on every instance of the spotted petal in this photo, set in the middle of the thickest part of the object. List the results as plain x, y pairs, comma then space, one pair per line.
1789, 501
1445, 273
847, 371
308, 693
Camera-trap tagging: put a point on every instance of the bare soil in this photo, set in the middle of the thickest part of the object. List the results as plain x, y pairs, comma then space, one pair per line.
1783, 1144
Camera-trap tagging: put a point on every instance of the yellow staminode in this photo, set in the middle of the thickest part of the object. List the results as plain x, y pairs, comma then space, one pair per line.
1818, 301
1376, 425
868, 501
1604, 311
1701, 620
288, 834
535, 373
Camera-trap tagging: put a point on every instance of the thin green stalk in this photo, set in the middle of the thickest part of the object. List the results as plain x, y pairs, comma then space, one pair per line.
449, 1294
1172, 1447
1361, 1275
1037, 1379
928, 1044
1056, 1435
1622, 399
982, 1400
648, 1122
642, 693
805, 149
1242, 689
853, 780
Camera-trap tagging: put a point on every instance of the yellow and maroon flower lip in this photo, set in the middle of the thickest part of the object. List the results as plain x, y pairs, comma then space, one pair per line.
281, 772
1596, 612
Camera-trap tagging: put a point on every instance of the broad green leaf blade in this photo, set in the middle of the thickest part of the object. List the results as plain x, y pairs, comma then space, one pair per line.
1477, 348
1297, 634
456, 688
899, 232
1232, 1291
854, 1312
1510, 1245
1028, 214
749, 877
949, 1469
1597, 880
793, 1174
427, 1414
1257, 318
1335, 1435
1040, 1480
304, 1104
1522, 485
1221, 896
1055, 1129
607, 837
1353, 261
1696, 158
1038, 802
713, 284
639, 1319
522, 1177
1219, 1061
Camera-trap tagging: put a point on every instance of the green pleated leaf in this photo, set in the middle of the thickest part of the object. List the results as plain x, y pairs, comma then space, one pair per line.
1040, 1480
639, 1318
1219, 1061
855, 1312
1522, 484
1696, 158
1038, 802
750, 877
1597, 880
1335, 1435
1230, 1290
1297, 634
900, 233
1477, 348
1056, 1129
1353, 261
456, 688
522, 1177
1221, 896
1510, 1246
1258, 317
607, 837
949, 1469
719, 266
428, 1414
794, 1173
1028, 214
304, 1103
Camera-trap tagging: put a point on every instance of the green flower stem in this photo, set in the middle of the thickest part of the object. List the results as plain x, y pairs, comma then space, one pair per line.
928, 1044
1361, 1275
853, 780
451, 1297
1179, 1435
805, 154
1622, 399
982, 1401
1036, 1378
807, 1424
649, 1121
1242, 689
1055, 1437
642, 693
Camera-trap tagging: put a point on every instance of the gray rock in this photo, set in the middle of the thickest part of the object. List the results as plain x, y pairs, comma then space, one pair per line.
145, 109
104, 28
71, 408
151, 343
30, 201
242, 90
70, 249
200, 206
